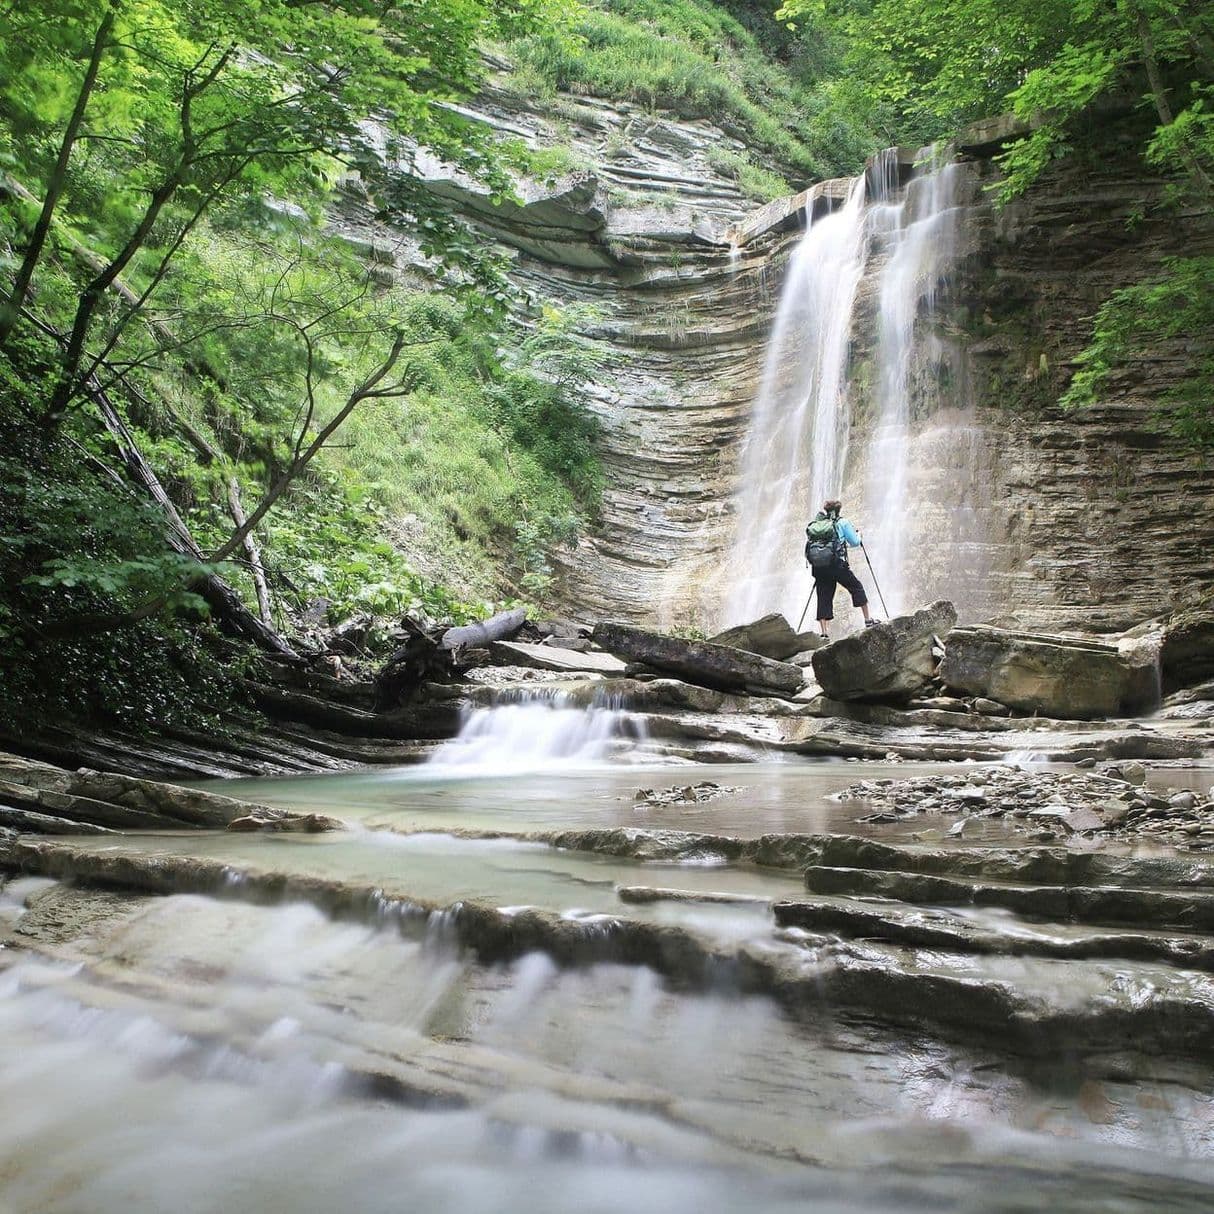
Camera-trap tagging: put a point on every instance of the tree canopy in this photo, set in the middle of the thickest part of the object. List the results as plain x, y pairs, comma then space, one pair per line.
944, 62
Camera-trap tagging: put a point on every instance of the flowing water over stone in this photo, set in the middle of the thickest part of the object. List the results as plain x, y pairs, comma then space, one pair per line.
918, 230
797, 444
439, 1008
539, 732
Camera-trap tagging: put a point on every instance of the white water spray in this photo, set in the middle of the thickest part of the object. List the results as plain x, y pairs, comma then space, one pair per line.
918, 230
536, 735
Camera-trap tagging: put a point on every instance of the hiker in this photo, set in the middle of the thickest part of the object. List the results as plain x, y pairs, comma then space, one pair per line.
828, 538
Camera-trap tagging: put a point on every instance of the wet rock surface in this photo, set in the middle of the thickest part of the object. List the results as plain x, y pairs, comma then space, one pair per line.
684, 794
715, 666
770, 637
1187, 651
46, 799
893, 661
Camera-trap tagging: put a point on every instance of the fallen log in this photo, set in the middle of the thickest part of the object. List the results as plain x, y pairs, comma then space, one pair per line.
420, 659
478, 636
701, 662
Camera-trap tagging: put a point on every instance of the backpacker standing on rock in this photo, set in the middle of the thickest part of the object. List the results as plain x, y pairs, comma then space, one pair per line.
827, 540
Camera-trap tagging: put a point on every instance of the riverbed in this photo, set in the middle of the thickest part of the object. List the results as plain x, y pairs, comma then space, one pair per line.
308, 1021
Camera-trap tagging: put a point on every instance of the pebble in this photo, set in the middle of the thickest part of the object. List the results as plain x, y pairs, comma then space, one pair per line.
1112, 801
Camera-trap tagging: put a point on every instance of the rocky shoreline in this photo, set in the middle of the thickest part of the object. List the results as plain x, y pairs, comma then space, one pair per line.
1109, 802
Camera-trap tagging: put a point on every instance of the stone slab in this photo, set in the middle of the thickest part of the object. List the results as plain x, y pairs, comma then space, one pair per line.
551, 657
1054, 676
772, 636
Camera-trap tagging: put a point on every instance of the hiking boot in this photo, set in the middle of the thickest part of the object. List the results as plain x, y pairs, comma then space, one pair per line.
872, 623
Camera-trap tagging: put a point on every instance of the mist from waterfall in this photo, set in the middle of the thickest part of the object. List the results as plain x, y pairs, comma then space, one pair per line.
798, 451
797, 444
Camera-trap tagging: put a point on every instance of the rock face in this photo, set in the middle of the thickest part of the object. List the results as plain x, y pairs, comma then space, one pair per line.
102, 799
1186, 656
644, 233
1054, 676
891, 662
1043, 544
700, 662
770, 637
1022, 509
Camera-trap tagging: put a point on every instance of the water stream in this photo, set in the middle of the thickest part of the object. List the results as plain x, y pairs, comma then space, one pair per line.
541, 732
270, 1055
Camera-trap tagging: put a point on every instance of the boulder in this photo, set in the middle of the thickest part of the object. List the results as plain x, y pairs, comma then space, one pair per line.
1186, 655
1061, 677
770, 637
552, 657
890, 662
700, 662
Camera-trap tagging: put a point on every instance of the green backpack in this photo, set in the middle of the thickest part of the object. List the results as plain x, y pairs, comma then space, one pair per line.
823, 543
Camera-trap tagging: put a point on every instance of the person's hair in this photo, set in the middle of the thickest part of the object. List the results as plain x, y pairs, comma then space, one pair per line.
833, 506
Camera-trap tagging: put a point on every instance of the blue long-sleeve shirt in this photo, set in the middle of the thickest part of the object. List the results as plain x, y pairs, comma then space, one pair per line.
850, 536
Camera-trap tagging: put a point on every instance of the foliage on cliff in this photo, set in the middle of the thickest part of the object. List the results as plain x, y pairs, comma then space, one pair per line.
1135, 322
940, 63
785, 94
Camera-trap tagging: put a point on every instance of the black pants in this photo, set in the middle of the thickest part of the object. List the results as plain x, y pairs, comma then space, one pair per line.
838, 574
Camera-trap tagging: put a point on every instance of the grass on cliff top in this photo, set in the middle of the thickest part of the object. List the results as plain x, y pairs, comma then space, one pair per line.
784, 96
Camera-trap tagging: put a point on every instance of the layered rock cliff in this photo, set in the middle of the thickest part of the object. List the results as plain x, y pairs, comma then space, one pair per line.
1092, 520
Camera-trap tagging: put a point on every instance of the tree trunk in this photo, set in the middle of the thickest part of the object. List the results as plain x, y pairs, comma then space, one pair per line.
251, 550
224, 602
67, 384
496, 628
54, 187
367, 389
1159, 95
204, 447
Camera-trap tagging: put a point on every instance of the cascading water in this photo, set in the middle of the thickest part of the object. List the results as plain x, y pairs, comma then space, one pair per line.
797, 443
797, 452
536, 734
919, 229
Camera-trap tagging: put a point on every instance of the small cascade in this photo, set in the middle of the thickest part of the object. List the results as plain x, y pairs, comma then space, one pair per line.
797, 444
536, 734
799, 449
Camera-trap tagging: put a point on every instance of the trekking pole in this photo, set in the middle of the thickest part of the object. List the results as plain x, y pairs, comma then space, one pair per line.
876, 585
806, 611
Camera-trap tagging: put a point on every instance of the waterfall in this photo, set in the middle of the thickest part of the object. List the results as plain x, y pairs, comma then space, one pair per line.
798, 451
536, 734
797, 444
918, 231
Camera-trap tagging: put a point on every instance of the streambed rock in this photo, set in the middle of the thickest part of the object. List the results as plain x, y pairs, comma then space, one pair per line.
770, 637
702, 662
45, 799
553, 657
1061, 677
893, 661
1112, 802
113, 800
